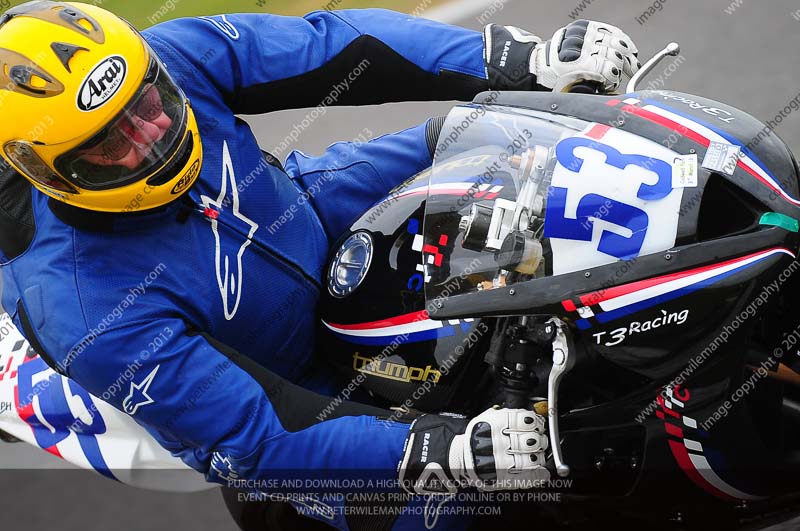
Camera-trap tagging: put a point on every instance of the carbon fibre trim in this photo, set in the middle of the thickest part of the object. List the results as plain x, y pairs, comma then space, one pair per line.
432, 132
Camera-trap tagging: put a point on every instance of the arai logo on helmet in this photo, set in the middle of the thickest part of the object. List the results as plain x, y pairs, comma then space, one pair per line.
102, 83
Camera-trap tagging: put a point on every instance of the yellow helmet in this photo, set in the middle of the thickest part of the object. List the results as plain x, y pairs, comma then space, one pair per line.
90, 115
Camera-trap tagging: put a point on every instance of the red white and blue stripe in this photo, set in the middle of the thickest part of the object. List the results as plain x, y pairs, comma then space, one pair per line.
409, 328
703, 133
620, 301
483, 191
697, 463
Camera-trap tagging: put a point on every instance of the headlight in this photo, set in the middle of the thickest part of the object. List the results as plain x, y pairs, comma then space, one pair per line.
350, 265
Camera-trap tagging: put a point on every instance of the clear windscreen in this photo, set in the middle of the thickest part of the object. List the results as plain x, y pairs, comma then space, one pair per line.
517, 195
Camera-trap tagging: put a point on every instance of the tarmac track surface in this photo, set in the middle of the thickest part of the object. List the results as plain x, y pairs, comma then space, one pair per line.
748, 59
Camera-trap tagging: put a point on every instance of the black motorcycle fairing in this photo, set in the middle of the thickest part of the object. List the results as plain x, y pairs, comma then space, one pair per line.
627, 410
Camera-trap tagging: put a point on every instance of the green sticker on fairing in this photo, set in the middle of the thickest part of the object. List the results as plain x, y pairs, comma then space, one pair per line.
780, 220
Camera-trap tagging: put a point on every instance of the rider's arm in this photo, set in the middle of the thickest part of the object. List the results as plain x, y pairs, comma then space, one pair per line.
261, 62
226, 416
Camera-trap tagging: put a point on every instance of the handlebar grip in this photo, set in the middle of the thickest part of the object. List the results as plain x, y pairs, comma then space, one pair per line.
586, 87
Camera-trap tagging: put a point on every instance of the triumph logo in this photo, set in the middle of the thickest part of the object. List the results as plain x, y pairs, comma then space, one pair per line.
102, 83
383, 368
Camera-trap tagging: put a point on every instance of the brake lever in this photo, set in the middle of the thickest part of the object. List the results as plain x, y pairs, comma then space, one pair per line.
563, 362
671, 49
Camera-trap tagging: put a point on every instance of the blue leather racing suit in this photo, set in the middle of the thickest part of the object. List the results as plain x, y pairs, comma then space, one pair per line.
211, 300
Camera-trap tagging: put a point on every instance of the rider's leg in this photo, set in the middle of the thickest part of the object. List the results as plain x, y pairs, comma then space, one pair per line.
352, 176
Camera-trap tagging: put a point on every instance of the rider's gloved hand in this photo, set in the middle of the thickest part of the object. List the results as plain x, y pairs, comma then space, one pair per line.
500, 449
582, 51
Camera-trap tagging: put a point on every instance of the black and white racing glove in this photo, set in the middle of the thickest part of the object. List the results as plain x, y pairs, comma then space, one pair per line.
581, 51
500, 449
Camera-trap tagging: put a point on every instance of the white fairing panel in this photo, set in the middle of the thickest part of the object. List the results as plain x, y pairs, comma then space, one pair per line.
54, 413
614, 166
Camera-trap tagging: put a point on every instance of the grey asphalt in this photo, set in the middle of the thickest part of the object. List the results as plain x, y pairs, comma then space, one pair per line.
747, 59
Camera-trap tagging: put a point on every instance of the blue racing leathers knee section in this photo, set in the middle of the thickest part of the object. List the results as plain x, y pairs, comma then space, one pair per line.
355, 175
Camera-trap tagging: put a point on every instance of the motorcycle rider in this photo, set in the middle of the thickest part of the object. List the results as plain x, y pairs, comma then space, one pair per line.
149, 237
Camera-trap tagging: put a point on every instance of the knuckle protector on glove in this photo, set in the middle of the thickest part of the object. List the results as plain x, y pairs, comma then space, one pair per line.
498, 449
482, 447
585, 51
528, 442
505, 449
571, 46
526, 421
